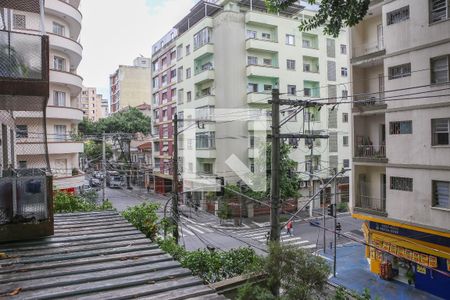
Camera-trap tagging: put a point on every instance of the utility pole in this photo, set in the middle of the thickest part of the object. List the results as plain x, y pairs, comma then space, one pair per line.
175, 215
335, 222
104, 165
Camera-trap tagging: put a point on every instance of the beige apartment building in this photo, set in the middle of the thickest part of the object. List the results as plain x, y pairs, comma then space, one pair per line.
130, 85
91, 104
63, 25
401, 128
229, 55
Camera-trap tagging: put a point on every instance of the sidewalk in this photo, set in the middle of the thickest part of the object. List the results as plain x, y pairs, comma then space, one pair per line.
354, 274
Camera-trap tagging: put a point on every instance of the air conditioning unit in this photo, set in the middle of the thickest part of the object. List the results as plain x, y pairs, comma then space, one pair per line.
303, 184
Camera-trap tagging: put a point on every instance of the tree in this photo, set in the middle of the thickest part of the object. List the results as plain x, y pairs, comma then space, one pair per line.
94, 150
332, 14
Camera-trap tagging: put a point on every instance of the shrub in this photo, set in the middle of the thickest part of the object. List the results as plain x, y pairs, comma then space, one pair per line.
64, 202
144, 218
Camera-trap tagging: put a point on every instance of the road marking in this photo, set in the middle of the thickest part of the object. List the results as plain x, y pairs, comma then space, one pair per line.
290, 239
185, 230
309, 246
299, 242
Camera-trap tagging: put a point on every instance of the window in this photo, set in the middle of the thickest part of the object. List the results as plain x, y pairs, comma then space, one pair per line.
399, 71
346, 163
19, 22
290, 39
164, 79
306, 44
179, 51
331, 70
307, 92
188, 49
21, 131
164, 61
345, 141
401, 184
58, 28
400, 127
164, 96
59, 63
252, 141
306, 67
252, 88
173, 55
202, 37
290, 64
207, 168
204, 112
60, 132
344, 94
292, 90
344, 72
22, 164
173, 74
440, 131
331, 48
267, 88
438, 10
189, 96
344, 117
252, 60
267, 61
188, 73
180, 74
205, 140
441, 193
343, 49
440, 69
59, 98
155, 83
251, 34
180, 96
173, 93
265, 36
398, 15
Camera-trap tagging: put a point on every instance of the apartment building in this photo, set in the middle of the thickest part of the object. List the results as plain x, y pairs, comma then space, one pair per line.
129, 85
104, 108
401, 122
62, 23
230, 55
91, 104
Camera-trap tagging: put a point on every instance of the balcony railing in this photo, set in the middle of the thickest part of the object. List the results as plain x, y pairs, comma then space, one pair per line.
370, 203
370, 151
368, 48
369, 99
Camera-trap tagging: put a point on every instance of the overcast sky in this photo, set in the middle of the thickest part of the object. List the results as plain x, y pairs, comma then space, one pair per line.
114, 32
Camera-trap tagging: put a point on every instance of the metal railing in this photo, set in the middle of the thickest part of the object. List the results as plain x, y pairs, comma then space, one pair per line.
370, 151
369, 99
368, 48
371, 203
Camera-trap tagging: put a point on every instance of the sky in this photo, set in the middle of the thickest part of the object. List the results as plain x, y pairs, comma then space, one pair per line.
115, 32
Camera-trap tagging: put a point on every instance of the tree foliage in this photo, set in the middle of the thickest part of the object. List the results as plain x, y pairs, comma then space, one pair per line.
64, 202
332, 15
94, 150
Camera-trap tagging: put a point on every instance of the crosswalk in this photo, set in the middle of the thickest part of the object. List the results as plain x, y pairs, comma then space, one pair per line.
260, 235
192, 228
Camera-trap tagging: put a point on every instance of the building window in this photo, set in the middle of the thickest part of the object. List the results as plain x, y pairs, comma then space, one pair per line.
180, 74
440, 131
207, 168
251, 34
345, 141
252, 88
21, 131
205, 140
344, 117
188, 49
331, 48
252, 60
265, 36
59, 63
173, 55
441, 194
173, 74
399, 71
440, 70
58, 29
19, 22
438, 10
267, 88
188, 73
164, 61
59, 98
189, 96
401, 184
290, 64
164, 80
267, 61
343, 49
400, 127
344, 72
292, 90
398, 15
202, 37
346, 163
307, 92
179, 51
173, 93
60, 132
344, 94
290, 39
22, 164
180, 96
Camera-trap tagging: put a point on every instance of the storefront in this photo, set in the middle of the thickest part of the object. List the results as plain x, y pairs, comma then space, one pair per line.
410, 256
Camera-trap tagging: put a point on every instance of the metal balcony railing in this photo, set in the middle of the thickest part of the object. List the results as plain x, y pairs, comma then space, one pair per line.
370, 151
366, 202
369, 99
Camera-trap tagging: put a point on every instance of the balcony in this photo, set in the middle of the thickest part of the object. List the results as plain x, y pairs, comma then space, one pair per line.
206, 49
54, 147
73, 81
68, 12
23, 71
64, 112
204, 76
69, 46
206, 100
205, 153
263, 71
369, 101
260, 125
258, 98
368, 51
262, 44
61, 182
370, 153
370, 205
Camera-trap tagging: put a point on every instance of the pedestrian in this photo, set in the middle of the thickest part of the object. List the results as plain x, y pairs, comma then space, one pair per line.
148, 188
289, 228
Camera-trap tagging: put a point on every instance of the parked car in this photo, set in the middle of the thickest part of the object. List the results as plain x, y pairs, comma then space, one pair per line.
95, 182
114, 179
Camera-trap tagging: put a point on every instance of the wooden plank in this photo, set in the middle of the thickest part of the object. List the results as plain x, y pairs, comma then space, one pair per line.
72, 249
96, 287
178, 294
69, 256
129, 237
90, 277
147, 288
91, 267
77, 262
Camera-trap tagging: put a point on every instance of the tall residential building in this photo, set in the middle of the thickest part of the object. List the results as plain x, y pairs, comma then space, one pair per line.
91, 104
230, 55
130, 85
105, 108
63, 25
401, 138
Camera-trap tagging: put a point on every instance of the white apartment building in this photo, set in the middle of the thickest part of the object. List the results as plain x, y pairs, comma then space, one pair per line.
91, 104
63, 24
105, 108
230, 55
401, 137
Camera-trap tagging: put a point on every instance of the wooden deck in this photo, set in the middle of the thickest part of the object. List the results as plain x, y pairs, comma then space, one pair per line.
95, 256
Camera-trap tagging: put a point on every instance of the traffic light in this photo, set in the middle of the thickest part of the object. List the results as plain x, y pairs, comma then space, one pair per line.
331, 210
221, 192
338, 227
